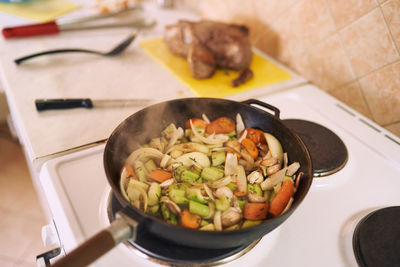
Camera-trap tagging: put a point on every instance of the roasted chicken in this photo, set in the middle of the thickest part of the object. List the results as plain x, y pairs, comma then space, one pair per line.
208, 44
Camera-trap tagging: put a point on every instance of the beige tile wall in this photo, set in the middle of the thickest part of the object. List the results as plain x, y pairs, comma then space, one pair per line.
349, 48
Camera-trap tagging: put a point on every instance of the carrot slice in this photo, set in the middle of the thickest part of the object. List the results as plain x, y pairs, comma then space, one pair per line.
129, 172
250, 147
197, 123
160, 175
239, 194
256, 135
282, 198
190, 220
255, 211
221, 125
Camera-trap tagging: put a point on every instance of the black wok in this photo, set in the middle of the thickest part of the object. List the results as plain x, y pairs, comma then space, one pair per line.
139, 128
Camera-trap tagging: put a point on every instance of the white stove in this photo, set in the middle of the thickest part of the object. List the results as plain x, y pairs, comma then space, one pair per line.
319, 232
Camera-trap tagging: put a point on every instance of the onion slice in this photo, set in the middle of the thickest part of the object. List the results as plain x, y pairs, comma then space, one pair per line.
274, 146
209, 192
205, 118
211, 206
239, 124
212, 139
168, 182
241, 179
289, 204
190, 147
256, 198
122, 183
172, 206
178, 133
144, 197
143, 152
231, 163
243, 136
164, 161
217, 221
221, 182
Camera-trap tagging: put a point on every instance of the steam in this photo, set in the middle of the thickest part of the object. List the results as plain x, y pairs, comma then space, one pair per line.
139, 128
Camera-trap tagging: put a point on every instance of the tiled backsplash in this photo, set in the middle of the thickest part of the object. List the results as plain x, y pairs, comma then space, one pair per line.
349, 48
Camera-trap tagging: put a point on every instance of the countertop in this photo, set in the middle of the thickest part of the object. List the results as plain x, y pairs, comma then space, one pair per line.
132, 74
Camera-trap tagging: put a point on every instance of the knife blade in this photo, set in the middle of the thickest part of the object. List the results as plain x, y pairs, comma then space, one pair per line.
56, 26
68, 103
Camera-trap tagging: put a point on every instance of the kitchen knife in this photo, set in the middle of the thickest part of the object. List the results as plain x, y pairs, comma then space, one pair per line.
47, 104
63, 24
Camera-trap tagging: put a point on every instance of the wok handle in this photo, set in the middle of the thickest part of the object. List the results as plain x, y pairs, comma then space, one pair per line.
102, 242
264, 105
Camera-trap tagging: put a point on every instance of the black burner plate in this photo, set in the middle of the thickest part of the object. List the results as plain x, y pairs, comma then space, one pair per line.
165, 251
328, 152
376, 239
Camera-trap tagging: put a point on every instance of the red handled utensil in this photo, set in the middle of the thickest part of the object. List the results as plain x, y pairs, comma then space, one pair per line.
65, 24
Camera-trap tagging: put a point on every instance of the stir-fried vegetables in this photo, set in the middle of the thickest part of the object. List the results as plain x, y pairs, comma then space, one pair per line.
211, 176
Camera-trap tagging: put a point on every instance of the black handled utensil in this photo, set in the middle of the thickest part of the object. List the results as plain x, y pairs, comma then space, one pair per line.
51, 104
115, 51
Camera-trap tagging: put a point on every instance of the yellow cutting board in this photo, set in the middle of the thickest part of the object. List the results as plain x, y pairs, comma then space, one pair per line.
265, 72
39, 10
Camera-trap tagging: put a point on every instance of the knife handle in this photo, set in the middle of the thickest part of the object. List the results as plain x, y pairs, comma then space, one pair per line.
31, 30
46, 104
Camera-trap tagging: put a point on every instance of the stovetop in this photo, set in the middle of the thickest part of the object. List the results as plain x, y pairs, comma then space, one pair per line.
319, 232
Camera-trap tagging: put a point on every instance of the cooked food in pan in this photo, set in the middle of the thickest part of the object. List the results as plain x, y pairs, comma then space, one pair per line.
211, 176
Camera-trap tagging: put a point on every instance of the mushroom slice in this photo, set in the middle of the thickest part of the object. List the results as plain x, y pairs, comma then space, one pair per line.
230, 217
224, 191
277, 177
255, 177
269, 161
172, 206
235, 203
273, 169
252, 197
292, 168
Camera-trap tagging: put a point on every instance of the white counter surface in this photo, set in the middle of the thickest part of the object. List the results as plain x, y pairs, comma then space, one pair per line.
131, 74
